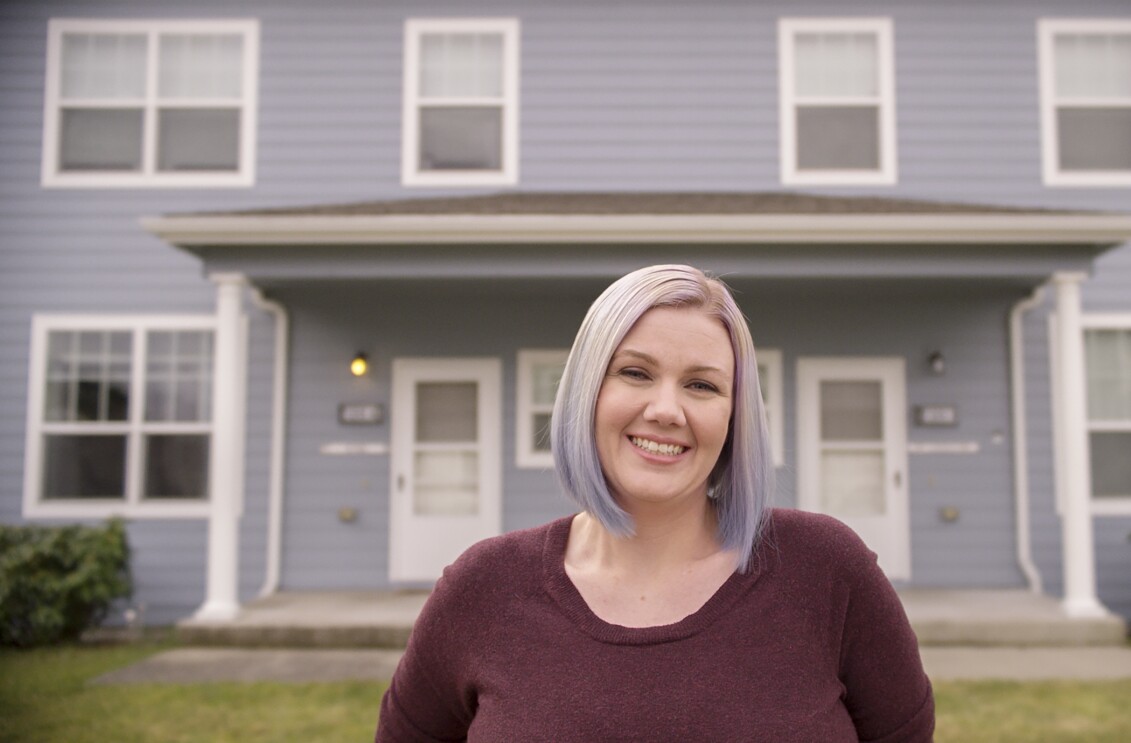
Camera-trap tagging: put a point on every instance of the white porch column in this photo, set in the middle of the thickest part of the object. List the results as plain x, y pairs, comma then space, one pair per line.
226, 456
1072, 456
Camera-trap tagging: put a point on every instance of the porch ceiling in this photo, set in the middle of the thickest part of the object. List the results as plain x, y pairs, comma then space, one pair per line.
578, 235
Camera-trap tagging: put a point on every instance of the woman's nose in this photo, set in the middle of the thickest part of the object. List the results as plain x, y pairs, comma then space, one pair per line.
665, 406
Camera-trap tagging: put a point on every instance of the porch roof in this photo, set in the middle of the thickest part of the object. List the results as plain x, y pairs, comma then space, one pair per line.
605, 234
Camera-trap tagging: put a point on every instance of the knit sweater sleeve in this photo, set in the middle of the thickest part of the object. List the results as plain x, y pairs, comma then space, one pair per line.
887, 693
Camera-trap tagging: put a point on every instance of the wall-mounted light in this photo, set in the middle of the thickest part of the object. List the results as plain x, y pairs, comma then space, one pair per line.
359, 365
937, 363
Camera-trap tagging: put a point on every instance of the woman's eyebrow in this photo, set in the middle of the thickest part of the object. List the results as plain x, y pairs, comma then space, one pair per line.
648, 358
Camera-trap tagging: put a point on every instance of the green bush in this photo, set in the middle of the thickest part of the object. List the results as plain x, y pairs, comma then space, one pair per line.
56, 582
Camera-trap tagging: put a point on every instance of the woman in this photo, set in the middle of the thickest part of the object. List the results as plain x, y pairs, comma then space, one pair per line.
674, 606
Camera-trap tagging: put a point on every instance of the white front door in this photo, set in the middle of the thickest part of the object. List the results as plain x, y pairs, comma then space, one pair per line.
852, 451
446, 461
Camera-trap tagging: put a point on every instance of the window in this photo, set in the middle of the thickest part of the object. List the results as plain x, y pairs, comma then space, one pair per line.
1107, 359
460, 103
770, 380
539, 373
837, 101
1086, 102
119, 417
150, 103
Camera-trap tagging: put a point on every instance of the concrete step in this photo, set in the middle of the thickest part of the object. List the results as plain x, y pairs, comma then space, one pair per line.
370, 619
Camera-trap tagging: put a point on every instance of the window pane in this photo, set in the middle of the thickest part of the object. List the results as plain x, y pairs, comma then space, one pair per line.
447, 412
108, 66
193, 139
461, 65
84, 466
176, 466
1111, 464
852, 483
446, 483
838, 138
1108, 361
469, 138
88, 376
178, 376
100, 139
200, 66
542, 432
546, 378
836, 64
1093, 65
1094, 138
851, 411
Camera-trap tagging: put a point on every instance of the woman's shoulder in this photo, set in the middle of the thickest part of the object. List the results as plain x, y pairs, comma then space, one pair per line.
502, 561
820, 539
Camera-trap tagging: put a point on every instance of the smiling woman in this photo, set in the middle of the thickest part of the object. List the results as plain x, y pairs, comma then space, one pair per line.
674, 605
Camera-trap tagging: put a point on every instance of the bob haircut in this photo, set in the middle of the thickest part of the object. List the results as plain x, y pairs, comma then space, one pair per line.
742, 479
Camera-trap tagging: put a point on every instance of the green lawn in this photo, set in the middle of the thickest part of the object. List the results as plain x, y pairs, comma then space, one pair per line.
44, 697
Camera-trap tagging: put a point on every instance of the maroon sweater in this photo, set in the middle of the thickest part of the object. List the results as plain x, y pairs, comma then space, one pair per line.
811, 645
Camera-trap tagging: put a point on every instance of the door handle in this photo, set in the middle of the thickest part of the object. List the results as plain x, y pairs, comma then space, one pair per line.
898, 479
400, 483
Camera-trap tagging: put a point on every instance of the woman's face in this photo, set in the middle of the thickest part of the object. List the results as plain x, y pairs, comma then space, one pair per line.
664, 408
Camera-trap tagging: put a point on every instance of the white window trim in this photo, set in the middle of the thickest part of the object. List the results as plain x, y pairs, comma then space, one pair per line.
886, 174
414, 28
771, 358
149, 177
525, 410
1112, 321
131, 506
1047, 29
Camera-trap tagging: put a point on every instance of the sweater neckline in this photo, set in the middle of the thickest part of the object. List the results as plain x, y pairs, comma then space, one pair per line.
569, 599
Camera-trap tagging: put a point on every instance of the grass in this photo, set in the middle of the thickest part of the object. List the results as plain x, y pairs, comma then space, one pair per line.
45, 697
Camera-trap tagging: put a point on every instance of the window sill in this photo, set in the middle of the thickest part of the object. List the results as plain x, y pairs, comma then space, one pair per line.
108, 509
131, 180
1111, 506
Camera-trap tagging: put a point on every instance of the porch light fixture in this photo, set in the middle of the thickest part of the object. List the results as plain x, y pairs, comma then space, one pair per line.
937, 363
359, 365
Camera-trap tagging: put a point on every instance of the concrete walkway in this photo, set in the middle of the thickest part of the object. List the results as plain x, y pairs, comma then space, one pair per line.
207, 665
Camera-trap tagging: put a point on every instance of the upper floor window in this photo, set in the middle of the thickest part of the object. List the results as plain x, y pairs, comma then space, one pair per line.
1086, 102
150, 103
837, 101
1107, 351
119, 416
460, 103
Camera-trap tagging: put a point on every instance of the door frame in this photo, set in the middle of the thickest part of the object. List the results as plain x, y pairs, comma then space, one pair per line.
450, 534
891, 372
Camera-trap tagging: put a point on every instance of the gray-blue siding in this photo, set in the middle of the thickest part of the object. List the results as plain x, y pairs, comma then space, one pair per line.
625, 96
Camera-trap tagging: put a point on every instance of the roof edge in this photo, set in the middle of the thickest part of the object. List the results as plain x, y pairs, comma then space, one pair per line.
948, 228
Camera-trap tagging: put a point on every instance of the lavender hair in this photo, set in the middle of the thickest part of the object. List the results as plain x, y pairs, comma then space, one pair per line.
742, 479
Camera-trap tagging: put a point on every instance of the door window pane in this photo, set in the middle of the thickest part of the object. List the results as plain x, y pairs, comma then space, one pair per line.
851, 411
196, 139
447, 412
446, 483
176, 466
84, 466
100, 139
541, 432
852, 483
461, 138
546, 378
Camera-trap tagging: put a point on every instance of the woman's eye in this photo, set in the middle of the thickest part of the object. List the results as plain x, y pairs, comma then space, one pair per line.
703, 387
633, 373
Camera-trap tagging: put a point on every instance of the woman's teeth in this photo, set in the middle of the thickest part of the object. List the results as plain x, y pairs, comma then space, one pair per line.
653, 447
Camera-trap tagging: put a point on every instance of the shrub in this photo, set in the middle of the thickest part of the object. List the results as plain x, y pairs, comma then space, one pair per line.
56, 582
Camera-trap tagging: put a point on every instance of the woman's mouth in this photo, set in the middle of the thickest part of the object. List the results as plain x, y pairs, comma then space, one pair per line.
655, 447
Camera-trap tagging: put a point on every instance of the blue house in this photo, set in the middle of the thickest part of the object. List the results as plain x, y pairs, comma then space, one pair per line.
289, 285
